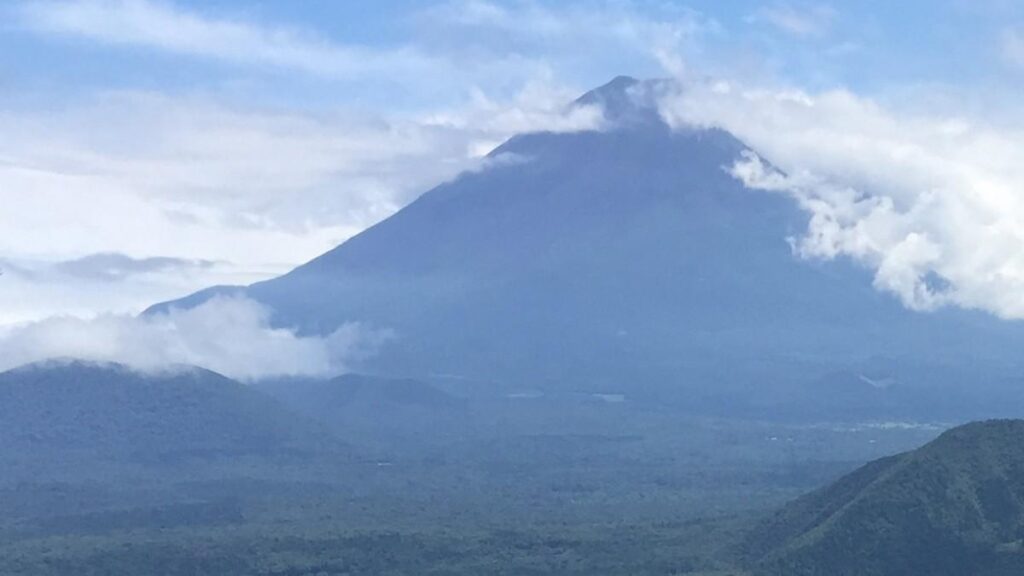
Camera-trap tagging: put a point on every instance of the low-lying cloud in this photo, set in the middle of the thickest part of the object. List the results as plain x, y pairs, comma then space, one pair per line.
232, 336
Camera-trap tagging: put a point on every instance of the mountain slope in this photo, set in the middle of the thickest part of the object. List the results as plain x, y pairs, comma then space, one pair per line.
953, 507
623, 257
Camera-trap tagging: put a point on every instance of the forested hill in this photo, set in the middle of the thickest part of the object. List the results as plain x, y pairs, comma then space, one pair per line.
951, 508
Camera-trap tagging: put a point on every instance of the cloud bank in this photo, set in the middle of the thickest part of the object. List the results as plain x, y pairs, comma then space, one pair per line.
231, 336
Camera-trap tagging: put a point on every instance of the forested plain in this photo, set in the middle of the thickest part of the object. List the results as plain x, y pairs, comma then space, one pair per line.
385, 477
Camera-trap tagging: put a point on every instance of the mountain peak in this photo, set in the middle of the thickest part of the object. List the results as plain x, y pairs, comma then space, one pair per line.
626, 101
618, 83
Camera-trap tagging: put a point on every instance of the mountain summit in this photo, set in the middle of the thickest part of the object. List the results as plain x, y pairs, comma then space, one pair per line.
626, 257
626, 102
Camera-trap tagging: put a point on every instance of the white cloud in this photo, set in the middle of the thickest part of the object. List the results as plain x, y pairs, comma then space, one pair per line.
458, 42
570, 36
805, 21
934, 204
539, 106
231, 336
1012, 46
163, 26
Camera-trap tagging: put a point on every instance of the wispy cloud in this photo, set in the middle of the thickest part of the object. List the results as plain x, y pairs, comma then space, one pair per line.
113, 266
1012, 47
804, 20
455, 40
573, 33
163, 26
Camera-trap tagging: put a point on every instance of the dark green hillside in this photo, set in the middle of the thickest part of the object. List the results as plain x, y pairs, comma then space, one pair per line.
66, 412
953, 507
370, 409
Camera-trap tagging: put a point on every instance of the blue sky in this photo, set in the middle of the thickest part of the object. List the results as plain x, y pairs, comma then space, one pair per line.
240, 138
868, 45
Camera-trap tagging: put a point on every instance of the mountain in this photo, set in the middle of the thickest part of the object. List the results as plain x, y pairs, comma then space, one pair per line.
361, 406
80, 416
950, 508
622, 258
